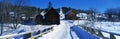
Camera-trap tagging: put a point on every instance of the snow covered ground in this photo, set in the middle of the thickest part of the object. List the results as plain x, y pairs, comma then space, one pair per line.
113, 27
64, 30
60, 32
108, 26
68, 30
7, 30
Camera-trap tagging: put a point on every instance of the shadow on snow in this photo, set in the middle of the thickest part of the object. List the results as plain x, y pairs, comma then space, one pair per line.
81, 33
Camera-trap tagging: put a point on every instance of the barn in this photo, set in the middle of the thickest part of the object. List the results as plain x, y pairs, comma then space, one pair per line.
39, 19
70, 15
52, 17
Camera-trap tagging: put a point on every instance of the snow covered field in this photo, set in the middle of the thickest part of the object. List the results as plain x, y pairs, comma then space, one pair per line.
113, 27
108, 26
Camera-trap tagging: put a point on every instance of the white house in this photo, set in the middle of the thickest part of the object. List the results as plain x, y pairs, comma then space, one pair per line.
82, 16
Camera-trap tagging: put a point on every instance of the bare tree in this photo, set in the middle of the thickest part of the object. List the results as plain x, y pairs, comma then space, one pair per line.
17, 10
7, 7
92, 13
113, 14
3, 14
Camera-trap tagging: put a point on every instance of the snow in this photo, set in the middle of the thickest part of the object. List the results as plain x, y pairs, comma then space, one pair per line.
74, 35
108, 26
82, 15
82, 34
23, 17
112, 27
43, 13
67, 30
27, 28
60, 32
79, 22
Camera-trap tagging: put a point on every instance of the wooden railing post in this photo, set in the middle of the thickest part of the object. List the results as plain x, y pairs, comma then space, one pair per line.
112, 36
27, 35
100, 34
93, 31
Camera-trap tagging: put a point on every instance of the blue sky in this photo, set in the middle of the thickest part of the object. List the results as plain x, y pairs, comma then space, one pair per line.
100, 5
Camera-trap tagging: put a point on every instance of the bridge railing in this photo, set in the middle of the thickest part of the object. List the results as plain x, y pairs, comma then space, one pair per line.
99, 33
29, 34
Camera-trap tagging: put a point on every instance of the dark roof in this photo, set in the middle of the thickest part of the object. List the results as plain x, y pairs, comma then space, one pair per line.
52, 9
68, 12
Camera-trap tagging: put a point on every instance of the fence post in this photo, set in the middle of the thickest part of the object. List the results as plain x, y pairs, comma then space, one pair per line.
100, 34
112, 36
93, 31
27, 35
86, 29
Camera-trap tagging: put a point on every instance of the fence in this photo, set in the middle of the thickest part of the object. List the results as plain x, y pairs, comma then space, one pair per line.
98, 32
28, 35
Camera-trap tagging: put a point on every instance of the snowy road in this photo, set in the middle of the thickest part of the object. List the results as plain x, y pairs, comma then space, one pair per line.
60, 32
67, 30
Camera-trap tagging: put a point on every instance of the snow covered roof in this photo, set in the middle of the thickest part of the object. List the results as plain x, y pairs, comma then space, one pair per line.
43, 13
